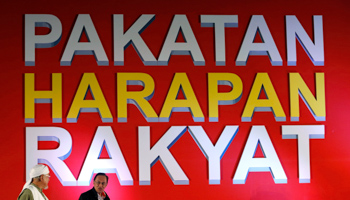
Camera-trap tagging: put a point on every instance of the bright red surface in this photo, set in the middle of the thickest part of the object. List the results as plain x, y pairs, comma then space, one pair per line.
329, 157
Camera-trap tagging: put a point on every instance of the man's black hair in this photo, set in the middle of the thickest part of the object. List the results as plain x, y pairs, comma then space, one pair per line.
101, 174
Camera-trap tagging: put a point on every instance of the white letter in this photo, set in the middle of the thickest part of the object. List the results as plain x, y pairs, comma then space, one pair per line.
303, 133
314, 51
213, 153
219, 22
268, 47
53, 157
116, 164
160, 151
32, 41
258, 135
132, 36
93, 47
189, 47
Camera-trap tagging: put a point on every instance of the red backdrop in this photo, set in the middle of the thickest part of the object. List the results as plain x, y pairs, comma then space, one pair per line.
329, 157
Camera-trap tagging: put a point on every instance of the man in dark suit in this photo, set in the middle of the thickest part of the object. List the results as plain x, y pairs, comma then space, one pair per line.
98, 191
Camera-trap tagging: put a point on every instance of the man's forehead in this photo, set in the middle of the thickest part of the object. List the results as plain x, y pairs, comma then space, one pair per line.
101, 178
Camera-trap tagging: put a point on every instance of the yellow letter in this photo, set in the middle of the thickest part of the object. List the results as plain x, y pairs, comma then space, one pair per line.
171, 104
317, 106
97, 104
31, 97
138, 98
272, 103
228, 98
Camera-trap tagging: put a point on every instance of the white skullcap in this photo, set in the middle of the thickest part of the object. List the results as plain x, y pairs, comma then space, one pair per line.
36, 171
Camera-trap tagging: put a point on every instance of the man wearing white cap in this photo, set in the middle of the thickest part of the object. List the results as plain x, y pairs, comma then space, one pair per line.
39, 178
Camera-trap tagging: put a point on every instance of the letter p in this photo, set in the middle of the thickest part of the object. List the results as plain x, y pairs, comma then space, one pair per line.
32, 41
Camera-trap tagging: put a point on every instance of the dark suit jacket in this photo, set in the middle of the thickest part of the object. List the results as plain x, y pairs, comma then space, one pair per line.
91, 195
